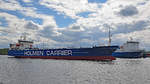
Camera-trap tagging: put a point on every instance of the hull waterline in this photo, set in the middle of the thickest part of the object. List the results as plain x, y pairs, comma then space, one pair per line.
103, 58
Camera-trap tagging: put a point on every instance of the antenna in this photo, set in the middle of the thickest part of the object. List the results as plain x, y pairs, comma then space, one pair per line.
131, 38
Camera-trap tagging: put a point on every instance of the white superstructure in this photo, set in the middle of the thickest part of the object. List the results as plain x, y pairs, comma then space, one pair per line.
22, 44
129, 46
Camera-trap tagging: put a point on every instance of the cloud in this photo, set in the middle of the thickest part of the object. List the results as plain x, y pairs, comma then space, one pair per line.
61, 19
3, 22
16, 27
97, 1
84, 14
27, 1
44, 21
31, 25
4, 42
70, 7
132, 27
9, 5
92, 27
49, 31
128, 11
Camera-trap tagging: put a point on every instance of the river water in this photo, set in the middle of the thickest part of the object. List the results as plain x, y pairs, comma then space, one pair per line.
48, 71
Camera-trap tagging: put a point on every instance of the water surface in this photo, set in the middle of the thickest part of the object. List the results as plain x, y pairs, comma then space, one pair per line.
48, 71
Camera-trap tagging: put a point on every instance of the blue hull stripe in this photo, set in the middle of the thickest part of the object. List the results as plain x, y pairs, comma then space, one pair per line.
95, 51
127, 54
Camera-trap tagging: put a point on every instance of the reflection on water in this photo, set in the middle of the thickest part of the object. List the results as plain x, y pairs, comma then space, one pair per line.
133, 62
47, 71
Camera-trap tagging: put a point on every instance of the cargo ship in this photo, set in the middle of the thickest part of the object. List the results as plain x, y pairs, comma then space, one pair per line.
130, 49
24, 49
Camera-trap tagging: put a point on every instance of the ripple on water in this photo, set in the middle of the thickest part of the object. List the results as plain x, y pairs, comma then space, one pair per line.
47, 71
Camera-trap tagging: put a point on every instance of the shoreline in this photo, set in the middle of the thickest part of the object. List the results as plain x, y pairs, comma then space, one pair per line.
4, 51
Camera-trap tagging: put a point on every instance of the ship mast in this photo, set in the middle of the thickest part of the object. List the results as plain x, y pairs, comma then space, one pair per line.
109, 40
23, 37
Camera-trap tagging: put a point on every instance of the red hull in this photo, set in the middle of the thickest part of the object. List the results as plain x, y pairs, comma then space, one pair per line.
148, 54
72, 57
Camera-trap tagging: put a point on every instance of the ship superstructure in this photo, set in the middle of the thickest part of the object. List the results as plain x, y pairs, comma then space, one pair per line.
22, 44
130, 49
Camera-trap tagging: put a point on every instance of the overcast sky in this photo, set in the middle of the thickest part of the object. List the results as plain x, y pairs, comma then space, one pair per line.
75, 23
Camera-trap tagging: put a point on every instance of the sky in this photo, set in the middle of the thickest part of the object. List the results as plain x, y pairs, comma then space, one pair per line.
75, 23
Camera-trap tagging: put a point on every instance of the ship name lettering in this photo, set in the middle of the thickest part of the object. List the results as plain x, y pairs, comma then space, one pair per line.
32, 53
59, 52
